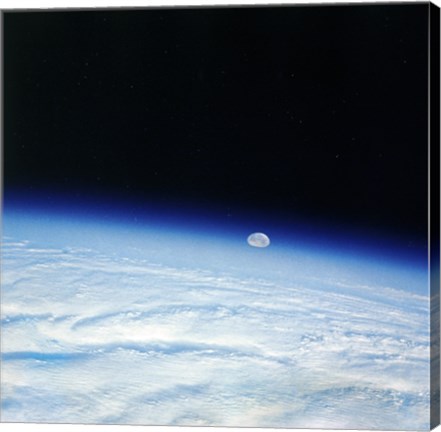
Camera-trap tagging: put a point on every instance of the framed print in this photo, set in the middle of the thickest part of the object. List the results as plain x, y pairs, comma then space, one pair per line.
221, 216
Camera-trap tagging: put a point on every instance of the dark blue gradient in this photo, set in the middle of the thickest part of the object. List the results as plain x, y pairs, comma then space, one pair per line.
208, 218
205, 234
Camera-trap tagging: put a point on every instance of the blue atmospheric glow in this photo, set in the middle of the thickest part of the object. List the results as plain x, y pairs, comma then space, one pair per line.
127, 313
186, 234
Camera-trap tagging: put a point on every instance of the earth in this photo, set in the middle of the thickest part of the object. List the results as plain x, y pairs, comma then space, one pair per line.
105, 321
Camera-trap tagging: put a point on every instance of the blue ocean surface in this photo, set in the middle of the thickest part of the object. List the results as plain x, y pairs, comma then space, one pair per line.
165, 315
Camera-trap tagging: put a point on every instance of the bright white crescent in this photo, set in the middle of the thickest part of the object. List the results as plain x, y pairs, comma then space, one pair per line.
259, 240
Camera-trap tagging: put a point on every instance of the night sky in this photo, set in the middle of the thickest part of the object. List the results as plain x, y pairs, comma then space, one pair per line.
308, 111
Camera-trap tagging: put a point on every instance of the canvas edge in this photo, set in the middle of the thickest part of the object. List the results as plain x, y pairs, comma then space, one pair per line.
434, 211
1, 185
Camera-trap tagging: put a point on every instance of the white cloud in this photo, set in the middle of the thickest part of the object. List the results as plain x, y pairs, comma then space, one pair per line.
88, 337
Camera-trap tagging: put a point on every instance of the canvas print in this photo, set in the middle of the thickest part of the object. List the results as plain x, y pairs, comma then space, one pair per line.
221, 216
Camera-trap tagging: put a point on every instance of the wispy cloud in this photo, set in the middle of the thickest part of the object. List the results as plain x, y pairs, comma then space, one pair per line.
88, 337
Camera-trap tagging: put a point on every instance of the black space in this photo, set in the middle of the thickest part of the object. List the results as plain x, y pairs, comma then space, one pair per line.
307, 110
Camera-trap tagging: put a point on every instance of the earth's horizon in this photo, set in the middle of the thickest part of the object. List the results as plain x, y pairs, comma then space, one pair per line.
102, 323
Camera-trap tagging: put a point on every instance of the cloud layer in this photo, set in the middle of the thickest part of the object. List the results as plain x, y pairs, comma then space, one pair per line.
94, 338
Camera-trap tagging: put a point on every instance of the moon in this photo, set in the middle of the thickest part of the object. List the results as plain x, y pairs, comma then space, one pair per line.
259, 240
